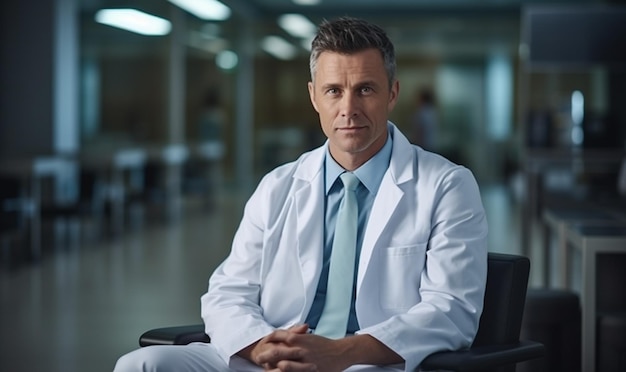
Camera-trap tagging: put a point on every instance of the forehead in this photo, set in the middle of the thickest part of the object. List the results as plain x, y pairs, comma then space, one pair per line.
367, 64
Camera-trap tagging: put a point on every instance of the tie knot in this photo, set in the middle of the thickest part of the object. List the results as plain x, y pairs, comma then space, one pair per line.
350, 181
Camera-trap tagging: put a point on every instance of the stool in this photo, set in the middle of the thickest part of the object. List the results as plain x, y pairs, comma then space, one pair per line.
612, 343
553, 317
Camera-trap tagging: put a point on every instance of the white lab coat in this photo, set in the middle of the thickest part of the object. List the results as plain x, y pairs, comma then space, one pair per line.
421, 273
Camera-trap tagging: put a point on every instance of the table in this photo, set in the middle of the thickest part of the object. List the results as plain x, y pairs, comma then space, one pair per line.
557, 219
536, 162
591, 241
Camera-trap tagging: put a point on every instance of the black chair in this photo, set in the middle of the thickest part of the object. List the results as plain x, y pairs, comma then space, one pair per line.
59, 208
14, 214
497, 346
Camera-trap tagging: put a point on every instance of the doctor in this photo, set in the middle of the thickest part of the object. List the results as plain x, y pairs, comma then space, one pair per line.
421, 251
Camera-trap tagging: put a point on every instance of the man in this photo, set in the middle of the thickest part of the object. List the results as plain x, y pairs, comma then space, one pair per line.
424, 120
421, 257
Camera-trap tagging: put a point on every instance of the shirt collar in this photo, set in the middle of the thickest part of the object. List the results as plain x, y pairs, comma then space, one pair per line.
370, 174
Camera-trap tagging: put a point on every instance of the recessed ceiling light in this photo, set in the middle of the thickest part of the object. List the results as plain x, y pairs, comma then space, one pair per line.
278, 47
134, 20
204, 9
306, 43
297, 25
226, 60
307, 2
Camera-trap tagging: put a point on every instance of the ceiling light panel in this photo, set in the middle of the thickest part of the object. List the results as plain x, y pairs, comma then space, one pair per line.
307, 2
278, 47
297, 25
210, 10
135, 21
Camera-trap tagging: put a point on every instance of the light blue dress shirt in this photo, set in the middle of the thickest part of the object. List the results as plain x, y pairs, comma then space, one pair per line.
370, 174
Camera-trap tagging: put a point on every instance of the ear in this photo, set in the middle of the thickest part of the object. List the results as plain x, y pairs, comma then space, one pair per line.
312, 95
393, 95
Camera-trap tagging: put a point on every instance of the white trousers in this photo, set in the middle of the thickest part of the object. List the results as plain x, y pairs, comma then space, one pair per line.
195, 357
198, 357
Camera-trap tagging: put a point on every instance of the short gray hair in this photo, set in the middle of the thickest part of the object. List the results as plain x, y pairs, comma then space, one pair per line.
350, 35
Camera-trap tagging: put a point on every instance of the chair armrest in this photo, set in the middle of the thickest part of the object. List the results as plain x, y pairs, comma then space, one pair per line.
483, 357
181, 335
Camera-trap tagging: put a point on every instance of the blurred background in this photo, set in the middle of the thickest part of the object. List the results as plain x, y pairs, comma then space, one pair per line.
132, 132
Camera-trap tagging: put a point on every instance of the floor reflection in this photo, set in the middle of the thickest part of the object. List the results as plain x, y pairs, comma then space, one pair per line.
83, 306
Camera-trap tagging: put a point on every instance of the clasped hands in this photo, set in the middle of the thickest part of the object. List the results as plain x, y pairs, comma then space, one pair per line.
295, 349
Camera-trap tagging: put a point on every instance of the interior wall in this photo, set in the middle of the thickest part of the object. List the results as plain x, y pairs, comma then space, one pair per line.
26, 77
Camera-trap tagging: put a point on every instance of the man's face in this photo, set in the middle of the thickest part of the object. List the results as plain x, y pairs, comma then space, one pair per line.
351, 94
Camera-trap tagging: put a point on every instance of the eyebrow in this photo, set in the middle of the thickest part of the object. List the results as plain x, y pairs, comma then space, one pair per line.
371, 83
329, 85
368, 82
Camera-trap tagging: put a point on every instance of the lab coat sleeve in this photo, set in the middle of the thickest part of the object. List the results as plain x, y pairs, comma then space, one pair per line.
453, 278
230, 309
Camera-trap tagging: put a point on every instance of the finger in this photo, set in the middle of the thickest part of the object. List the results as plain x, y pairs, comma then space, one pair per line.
293, 366
269, 367
277, 353
279, 335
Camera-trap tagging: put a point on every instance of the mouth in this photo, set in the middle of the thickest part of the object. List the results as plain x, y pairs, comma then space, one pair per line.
352, 128
350, 132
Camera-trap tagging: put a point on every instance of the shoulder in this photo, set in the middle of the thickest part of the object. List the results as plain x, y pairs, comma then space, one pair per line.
305, 167
436, 170
290, 176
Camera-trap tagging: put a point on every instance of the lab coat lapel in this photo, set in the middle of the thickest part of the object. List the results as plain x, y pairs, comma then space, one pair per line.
309, 202
401, 169
386, 202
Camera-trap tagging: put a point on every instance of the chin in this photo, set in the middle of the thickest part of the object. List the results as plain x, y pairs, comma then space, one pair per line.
355, 148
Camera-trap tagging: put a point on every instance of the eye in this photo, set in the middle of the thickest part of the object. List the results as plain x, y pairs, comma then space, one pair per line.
332, 91
366, 90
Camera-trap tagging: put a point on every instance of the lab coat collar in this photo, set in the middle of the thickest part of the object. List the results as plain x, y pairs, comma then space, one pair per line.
401, 166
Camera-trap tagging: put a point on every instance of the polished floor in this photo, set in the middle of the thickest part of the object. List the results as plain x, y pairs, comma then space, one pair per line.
87, 300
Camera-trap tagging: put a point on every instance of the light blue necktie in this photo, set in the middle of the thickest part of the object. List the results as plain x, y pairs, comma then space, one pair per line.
334, 319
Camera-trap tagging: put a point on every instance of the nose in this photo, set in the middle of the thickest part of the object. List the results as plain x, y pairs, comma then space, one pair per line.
349, 105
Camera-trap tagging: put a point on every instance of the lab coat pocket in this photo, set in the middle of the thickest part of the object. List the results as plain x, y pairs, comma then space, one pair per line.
401, 271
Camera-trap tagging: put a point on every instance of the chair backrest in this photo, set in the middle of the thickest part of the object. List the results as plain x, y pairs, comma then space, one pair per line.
55, 180
505, 295
11, 204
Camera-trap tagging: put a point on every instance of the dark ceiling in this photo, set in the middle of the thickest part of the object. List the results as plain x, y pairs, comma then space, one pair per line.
424, 28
